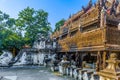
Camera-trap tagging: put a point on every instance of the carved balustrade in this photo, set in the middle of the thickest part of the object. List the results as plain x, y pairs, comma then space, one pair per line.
92, 38
90, 16
87, 39
63, 44
113, 36
74, 25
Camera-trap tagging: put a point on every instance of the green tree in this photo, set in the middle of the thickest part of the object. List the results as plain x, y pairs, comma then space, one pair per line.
59, 24
9, 37
3, 20
33, 22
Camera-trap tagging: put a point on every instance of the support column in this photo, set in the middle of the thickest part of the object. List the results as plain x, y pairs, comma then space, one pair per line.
80, 59
98, 63
77, 59
104, 59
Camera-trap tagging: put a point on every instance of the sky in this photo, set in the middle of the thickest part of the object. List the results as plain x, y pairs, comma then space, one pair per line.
57, 9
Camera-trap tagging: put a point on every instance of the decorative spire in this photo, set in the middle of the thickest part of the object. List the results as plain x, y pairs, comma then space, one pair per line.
85, 9
114, 7
103, 3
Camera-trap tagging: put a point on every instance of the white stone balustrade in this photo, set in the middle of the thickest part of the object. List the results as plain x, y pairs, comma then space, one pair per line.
87, 75
68, 71
76, 73
81, 72
63, 66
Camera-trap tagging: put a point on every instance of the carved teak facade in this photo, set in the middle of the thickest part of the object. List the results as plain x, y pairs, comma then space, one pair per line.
95, 33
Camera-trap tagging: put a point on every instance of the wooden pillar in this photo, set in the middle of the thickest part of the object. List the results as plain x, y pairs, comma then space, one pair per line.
78, 60
104, 59
98, 63
81, 60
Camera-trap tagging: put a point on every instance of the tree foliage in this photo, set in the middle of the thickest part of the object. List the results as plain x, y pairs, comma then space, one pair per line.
15, 33
59, 24
33, 22
9, 37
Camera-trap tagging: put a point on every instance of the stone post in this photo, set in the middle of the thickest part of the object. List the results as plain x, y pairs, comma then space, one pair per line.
63, 65
112, 71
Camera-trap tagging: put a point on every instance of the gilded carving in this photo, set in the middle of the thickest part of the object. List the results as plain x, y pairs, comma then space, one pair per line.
112, 71
113, 36
91, 16
87, 39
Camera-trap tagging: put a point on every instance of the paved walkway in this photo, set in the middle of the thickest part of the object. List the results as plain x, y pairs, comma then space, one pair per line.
30, 73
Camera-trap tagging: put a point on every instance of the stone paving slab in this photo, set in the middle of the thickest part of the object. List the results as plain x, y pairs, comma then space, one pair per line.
40, 73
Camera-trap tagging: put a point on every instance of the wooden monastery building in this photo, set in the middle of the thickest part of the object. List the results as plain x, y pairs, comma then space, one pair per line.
91, 35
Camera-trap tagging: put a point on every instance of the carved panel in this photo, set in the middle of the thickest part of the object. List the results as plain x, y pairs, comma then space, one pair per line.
74, 25
88, 39
63, 44
92, 15
113, 36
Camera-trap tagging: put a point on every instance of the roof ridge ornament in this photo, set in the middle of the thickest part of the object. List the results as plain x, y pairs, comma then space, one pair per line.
103, 3
114, 6
85, 9
112, 9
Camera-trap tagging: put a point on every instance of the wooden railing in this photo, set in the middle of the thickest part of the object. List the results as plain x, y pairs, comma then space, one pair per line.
90, 16
83, 20
87, 39
63, 44
91, 38
113, 36
75, 25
